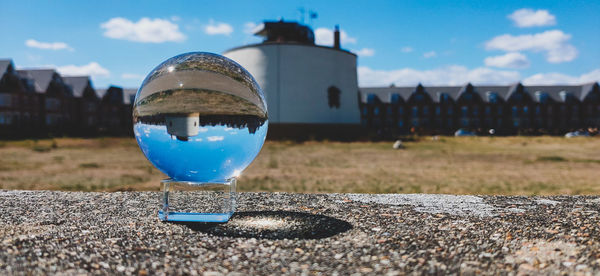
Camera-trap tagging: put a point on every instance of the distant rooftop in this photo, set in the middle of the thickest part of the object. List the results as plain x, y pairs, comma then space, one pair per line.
41, 78
4, 65
128, 94
78, 84
556, 93
281, 31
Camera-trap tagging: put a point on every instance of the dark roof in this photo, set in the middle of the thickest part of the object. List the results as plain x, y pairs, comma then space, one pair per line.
588, 88
287, 33
78, 84
4, 64
484, 91
385, 93
554, 91
41, 78
436, 92
114, 94
129, 95
281, 31
100, 92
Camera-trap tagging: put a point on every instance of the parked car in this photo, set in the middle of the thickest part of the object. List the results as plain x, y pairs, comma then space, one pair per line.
578, 133
464, 132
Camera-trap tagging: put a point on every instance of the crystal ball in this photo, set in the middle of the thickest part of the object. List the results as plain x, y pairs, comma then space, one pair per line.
200, 117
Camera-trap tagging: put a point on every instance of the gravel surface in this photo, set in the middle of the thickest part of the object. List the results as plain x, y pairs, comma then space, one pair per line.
45, 232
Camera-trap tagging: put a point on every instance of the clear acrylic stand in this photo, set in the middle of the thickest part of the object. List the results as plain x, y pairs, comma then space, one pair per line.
197, 201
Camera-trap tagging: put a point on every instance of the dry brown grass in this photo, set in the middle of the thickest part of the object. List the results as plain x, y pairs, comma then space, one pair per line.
104, 164
466, 165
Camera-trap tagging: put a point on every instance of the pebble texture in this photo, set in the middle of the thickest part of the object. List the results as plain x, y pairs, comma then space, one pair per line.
44, 232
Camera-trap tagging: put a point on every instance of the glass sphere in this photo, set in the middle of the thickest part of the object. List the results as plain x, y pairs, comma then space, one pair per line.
200, 117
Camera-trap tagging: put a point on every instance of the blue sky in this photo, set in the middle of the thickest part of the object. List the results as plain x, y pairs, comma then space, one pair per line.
400, 42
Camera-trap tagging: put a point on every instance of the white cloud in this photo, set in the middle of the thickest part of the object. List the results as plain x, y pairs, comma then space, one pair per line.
559, 78
530, 18
324, 36
553, 42
449, 75
91, 69
215, 138
32, 43
429, 54
130, 76
145, 30
218, 28
509, 60
251, 27
592, 76
365, 52
406, 49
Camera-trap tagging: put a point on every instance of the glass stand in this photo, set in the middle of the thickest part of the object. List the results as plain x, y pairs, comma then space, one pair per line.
197, 201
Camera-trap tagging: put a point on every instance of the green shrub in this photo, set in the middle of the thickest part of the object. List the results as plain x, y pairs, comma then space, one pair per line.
89, 165
551, 158
40, 148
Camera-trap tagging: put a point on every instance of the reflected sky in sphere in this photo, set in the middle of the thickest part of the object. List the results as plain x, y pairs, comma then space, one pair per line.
216, 154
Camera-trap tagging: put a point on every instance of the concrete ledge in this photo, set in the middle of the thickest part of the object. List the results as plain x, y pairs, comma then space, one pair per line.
75, 232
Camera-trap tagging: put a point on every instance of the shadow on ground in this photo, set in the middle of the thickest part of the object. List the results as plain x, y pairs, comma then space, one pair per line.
274, 225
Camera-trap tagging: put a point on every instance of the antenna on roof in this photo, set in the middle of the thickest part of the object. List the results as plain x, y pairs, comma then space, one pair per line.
307, 15
302, 13
312, 15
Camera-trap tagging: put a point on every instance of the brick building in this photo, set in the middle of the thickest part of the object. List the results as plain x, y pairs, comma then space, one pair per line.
514, 109
41, 102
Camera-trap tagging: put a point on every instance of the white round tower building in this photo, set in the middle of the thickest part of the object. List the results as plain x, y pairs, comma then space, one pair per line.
304, 83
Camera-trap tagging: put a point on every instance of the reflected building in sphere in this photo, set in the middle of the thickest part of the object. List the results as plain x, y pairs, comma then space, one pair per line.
183, 126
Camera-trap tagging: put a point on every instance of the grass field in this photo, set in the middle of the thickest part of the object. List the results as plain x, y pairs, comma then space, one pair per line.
466, 165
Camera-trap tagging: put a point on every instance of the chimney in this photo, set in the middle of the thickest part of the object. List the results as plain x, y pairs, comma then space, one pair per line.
336, 37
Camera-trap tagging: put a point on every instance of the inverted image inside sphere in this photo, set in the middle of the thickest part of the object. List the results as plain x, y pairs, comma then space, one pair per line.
200, 117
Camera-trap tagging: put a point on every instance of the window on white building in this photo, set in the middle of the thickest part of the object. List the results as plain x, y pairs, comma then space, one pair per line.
333, 97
